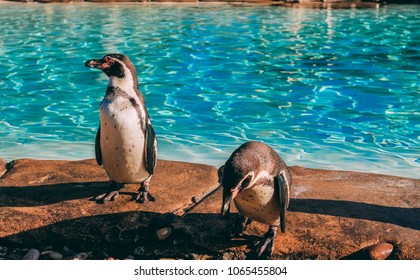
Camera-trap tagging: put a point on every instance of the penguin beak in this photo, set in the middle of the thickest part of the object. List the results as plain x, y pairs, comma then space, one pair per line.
228, 196
99, 63
95, 63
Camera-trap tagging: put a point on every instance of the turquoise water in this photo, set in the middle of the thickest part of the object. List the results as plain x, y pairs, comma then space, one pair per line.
332, 89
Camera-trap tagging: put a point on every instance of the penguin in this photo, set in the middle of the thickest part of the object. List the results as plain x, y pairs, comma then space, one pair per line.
126, 143
258, 181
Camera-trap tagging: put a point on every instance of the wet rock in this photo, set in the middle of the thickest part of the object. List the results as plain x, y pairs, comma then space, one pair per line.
67, 251
81, 256
164, 220
45, 253
3, 251
101, 255
48, 248
163, 233
16, 254
139, 251
55, 256
380, 251
32, 254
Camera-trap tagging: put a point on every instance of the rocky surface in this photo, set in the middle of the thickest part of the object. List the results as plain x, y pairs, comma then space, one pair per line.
47, 212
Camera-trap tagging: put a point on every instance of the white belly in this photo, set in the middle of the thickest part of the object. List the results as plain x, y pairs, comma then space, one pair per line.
260, 204
122, 144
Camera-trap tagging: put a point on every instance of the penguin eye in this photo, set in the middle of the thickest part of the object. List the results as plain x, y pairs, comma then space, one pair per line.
109, 60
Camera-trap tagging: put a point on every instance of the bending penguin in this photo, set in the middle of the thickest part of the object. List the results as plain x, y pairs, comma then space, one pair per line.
258, 181
126, 143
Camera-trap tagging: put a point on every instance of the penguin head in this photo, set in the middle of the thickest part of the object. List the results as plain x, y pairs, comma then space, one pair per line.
114, 65
240, 170
233, 181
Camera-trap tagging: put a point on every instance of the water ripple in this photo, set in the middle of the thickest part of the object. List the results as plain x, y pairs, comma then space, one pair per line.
331, 89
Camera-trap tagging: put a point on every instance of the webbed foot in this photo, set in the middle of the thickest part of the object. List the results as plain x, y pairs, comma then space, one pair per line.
237, 229
265, 246
143, 194
111, 195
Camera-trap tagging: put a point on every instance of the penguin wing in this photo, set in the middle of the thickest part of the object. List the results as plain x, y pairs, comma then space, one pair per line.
282, 186
98, 153
151, 148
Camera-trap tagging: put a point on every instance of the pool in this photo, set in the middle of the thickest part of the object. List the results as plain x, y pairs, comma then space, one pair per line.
330, 89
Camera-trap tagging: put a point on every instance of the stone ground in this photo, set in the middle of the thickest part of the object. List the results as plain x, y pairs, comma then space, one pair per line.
47, 206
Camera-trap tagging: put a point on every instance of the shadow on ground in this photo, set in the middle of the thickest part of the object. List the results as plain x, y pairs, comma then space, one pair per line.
404, 217
30, 196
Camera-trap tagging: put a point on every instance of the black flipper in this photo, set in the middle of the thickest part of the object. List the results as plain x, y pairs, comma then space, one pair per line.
98, 153
226, 200
282, 187
151, 148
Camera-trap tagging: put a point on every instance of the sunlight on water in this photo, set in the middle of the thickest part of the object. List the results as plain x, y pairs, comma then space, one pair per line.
332, 89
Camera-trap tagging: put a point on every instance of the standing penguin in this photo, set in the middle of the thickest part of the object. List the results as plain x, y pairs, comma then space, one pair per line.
258, 181
125, 143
